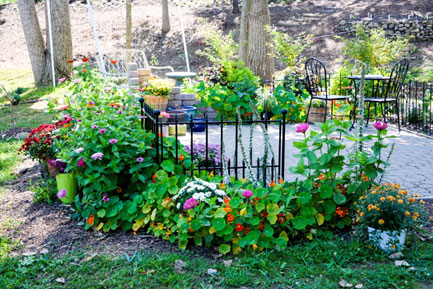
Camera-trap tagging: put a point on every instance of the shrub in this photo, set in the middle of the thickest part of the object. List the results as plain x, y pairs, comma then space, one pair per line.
288, 49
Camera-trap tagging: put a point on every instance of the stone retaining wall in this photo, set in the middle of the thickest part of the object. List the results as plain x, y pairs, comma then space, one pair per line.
419, 29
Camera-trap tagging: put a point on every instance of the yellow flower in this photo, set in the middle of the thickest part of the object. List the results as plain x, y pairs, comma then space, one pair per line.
357, 220
407, 213
393, 246
396, 186
414, 218
355, 203
416, 195
373, 192
400, 201
222, 186
382, 199
416, 214
254, 246
401, 192
381, 221
422, 202
412, 200
362, 214
378, 209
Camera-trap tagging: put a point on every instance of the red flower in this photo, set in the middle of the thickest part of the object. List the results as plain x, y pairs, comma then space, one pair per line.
181, 158
113, 61
85, 59
153, 178
230, 218
262, 226
342, 211
239, 228
90, 220
71, 61
264, 214
246, 231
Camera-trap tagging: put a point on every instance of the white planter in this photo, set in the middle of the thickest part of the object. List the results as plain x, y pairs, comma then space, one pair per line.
386, 239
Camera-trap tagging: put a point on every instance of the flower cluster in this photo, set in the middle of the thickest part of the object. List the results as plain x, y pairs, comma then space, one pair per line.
38, 145
388, 208
199, 154
198, 190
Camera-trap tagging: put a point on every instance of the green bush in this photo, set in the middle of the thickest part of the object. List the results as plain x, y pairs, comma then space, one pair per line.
288, 49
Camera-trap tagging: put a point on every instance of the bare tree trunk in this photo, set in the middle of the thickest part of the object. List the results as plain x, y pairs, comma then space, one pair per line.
243, 35
34, 39
62, 40
128, 24
165, 17
259, 58
236, 7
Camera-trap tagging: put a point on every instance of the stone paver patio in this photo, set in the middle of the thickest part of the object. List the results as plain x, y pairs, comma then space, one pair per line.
411, 162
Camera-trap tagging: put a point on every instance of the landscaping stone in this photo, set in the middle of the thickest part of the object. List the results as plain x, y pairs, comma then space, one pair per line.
187, 96
176, 90
179, 264
174, 103
189, 102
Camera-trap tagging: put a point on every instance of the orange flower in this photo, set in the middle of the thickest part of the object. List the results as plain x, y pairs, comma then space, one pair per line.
113, 61
67, 125
247, 114
119, 190
239, 227
90, 105
412, 200
363, 177
222, 186
341, 212
226, 200
338, 105
272, 184
153, 179
280, 181
85, 59
90, 220
181, 158
84, 70
228, 209
381, 221
230, 218
322, 177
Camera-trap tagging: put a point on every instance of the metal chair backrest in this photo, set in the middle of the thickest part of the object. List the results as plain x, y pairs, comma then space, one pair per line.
316, 80
395, 83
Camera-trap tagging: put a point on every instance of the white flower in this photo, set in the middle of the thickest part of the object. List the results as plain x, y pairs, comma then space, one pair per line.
79, 150
213, 186
178, 206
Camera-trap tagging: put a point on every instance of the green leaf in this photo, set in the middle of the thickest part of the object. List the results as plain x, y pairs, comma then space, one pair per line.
273, 208
220, 213
300, 145
260, 207
339, 198
101, 213
111, 212
308, 211
329, 207
299, 222
219, 224
235, 202
272, 218
195, 224
325, 192
268, 231
255, 221
304, 198
281, 242
224, 248
312, 157
168, 166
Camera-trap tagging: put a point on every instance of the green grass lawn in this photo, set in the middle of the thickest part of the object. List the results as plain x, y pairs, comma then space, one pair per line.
317, 264
8, 159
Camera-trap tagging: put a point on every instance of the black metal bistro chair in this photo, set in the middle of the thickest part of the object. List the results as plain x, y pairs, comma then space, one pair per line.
316, 83
391, 91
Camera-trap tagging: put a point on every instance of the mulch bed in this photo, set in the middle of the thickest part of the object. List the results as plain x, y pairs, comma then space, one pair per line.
40, 226
12, 132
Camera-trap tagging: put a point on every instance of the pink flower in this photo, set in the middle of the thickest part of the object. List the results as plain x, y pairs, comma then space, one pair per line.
190, 204
303, 127
79, 150
97, 156
113, 141
380, 125
61, 194
105, 198
247, 194
140, 159
164, 114
76, 80
102, 130
81, 163
95, 126
199, 42
140, 89
61, 79
119, 112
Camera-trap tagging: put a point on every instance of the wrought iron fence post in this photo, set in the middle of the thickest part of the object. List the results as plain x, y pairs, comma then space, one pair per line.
283, 145
156, 128
142, 112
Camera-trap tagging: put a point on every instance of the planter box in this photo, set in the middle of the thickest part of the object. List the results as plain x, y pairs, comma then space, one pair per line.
157, 102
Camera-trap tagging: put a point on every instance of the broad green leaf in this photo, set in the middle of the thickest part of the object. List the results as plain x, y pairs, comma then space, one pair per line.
299, 222
325, 192
219, 224
195, 224
320, 219
339, 198
220, 213
273, 208
101, 213
268, 231
168, 166
224, 248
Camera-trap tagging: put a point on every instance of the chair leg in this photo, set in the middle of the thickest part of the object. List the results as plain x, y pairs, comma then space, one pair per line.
398, 115
326, 110
308, 111
368, 114
384, 112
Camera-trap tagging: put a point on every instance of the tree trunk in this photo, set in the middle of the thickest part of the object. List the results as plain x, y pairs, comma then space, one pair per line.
165, 17
62, 40
259, 58
34, 39
243, 35
235, 6
128, 24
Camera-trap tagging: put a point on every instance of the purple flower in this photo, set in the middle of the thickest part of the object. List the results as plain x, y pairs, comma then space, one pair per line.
91, 102
97, 156
61, 79
105, 198
142, 117
113, 141
102, 130
190, 204
76, 80
61, 194
95, 126
303, 127
79, 150
140, 159
247, 194
380, 125
107, 89
81, 163
119, 112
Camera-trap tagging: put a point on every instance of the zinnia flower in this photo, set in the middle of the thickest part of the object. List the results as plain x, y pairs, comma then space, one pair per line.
95, 126
79, 150
113, 61
97, 156
61, 79
81, 163
113, 141
61, 194
140, 159
190, 204
381, 221
380, 125
303, 127
85, 59
247, 194
102, 130
76, 80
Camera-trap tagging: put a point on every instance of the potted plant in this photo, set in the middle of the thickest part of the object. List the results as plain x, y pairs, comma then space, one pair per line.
387, 213
157, 92
317, 111
267, 101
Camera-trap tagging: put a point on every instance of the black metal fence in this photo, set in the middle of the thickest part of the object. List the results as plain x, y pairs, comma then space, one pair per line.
236, 166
